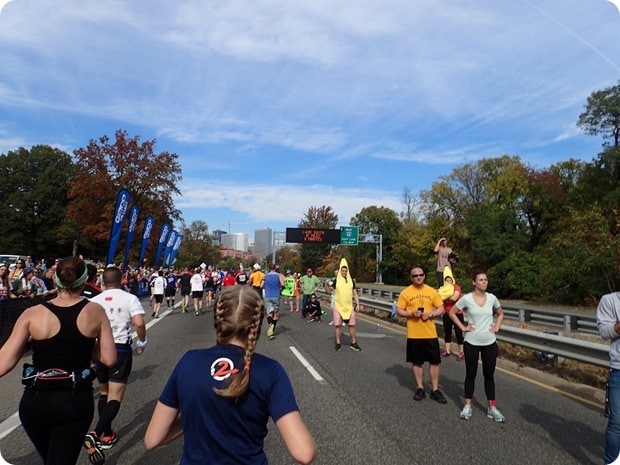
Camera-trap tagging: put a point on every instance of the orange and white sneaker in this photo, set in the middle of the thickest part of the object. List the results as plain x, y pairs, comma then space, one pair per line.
108, 440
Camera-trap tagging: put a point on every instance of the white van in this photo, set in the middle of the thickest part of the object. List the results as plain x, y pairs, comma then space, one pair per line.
11, 258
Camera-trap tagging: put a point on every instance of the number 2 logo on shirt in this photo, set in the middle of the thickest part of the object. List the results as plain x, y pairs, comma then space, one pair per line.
222, 368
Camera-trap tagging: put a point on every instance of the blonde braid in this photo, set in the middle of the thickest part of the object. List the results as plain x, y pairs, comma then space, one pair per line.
239, 313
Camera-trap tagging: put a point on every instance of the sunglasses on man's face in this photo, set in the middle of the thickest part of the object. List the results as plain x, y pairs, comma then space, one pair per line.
417, 275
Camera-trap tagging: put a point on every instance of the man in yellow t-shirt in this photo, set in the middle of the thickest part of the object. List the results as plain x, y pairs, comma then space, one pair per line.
421, 304
256, 278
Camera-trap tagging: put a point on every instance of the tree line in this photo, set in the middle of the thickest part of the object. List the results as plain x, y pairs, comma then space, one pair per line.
54, 204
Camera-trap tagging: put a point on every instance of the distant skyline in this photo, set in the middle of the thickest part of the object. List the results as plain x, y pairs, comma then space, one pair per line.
275, 106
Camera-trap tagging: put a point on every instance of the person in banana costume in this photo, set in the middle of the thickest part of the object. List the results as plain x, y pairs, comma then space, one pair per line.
346, 304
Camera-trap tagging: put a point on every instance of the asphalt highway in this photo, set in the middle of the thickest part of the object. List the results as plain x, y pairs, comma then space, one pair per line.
358, 405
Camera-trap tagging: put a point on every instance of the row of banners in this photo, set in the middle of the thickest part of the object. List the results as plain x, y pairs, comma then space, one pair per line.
169, 240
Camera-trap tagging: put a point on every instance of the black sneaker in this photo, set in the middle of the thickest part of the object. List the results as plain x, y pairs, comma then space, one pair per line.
419, 395
355, 347
92, 444
338, 347
437, 396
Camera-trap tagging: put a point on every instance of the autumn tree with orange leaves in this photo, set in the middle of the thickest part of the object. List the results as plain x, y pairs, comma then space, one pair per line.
103, 168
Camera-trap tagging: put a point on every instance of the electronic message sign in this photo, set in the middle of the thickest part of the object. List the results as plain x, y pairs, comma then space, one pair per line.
312, 236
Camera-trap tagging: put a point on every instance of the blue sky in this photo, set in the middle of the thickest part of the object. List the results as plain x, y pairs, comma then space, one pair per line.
274, 106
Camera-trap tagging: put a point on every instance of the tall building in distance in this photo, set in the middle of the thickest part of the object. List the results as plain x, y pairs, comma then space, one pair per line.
235, 241
217, 236
263, 242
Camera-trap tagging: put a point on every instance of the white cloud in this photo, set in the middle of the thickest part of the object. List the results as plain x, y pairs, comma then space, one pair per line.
282, 203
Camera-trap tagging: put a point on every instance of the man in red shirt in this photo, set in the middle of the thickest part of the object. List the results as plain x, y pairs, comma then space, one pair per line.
229, 279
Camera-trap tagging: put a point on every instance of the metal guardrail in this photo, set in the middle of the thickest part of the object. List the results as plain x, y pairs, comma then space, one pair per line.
566, 321
571, 348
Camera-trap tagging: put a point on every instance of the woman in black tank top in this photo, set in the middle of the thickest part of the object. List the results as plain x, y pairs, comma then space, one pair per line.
56, 411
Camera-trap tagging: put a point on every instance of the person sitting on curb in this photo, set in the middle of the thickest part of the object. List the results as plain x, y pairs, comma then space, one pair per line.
313, 309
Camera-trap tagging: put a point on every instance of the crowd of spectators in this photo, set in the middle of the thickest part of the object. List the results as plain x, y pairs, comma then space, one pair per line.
27, 278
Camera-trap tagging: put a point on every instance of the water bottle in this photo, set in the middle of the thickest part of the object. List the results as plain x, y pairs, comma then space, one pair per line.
378, 327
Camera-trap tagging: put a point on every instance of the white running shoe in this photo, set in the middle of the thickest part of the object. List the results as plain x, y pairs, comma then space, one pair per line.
495, 414
466, 412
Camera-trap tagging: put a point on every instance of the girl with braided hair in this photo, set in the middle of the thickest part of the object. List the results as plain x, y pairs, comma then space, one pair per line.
220, 399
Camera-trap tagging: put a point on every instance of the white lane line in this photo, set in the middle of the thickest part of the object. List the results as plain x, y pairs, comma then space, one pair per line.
309, 367
9, 425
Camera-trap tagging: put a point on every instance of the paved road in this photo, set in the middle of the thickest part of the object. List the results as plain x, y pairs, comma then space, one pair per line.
359, 406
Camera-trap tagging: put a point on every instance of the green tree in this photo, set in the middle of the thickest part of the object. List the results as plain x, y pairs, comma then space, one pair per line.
495, 233
35, 200
600, 183
312, 255
377, 220
105, 167
479, 206
570, 175
541, 205
288, 258
601, 115
473, 186
412, 247
584, 257
229, 263
197, 246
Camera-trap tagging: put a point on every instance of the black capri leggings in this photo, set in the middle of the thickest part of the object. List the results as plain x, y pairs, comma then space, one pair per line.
56, 422
488, 354
448, 325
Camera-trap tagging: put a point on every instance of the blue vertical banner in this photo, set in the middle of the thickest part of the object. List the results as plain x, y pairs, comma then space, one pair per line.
149, 222
175, 249
163, 237
133, 222
171, 241
122, 203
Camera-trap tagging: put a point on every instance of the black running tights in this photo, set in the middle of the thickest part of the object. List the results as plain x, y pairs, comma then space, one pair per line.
488, 354
56, 422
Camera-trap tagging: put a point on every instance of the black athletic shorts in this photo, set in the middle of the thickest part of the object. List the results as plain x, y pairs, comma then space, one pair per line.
119, 373
423, 350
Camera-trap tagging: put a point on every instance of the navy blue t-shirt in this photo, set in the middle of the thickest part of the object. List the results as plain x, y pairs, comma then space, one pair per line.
171, 281
226, 430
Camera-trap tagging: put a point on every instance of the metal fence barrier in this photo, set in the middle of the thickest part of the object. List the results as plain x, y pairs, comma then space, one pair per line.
566, 321
559, 345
